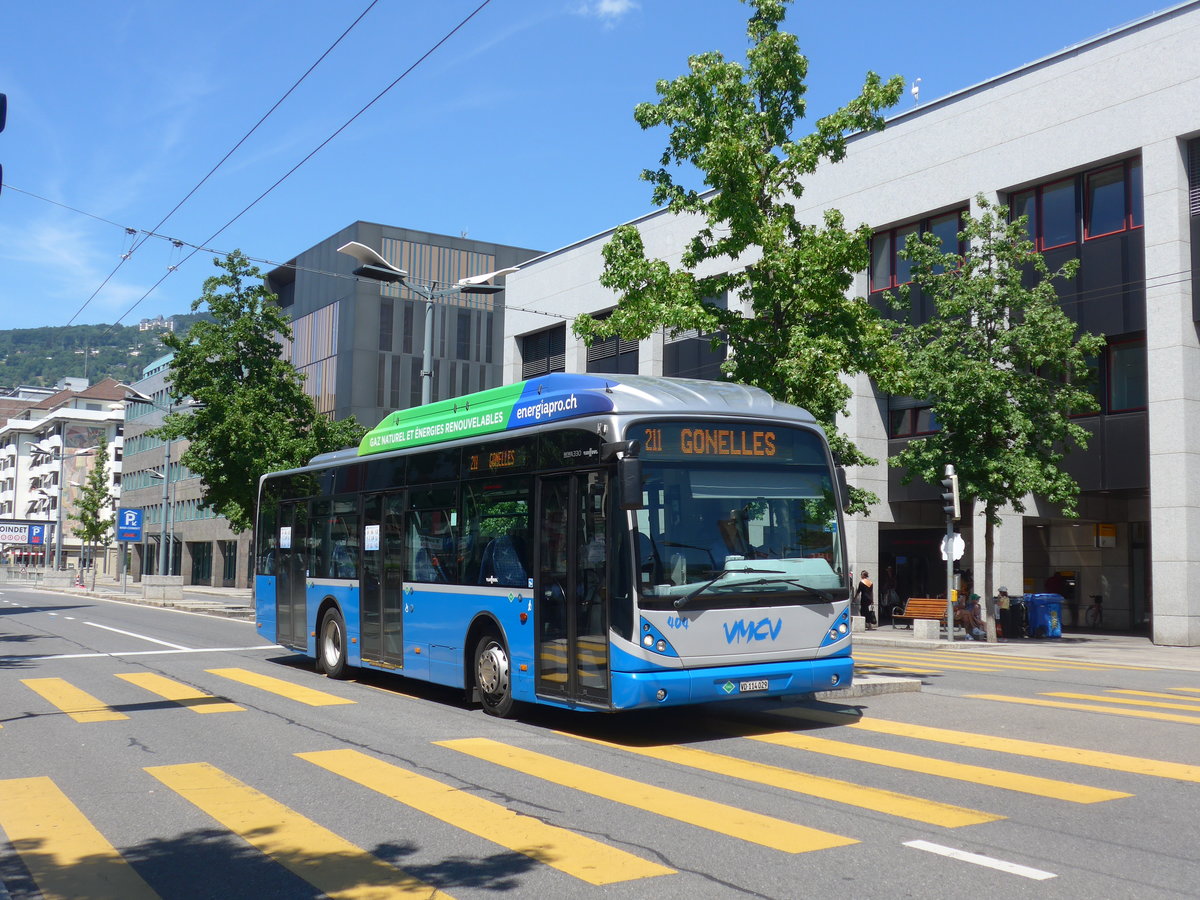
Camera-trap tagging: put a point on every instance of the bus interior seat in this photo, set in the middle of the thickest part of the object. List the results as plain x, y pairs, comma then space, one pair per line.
503, 561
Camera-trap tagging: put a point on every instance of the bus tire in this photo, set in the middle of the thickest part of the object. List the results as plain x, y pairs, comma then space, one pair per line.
493, 676
331, 645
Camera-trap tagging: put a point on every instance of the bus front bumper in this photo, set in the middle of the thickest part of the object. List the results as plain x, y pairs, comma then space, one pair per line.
674, 687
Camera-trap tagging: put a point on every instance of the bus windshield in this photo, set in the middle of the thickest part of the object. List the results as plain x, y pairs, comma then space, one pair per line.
737, 516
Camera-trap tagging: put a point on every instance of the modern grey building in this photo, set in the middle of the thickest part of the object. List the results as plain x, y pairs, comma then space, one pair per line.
360, 343
1100, 145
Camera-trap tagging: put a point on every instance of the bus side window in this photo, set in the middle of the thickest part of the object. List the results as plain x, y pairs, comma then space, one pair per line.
433, 537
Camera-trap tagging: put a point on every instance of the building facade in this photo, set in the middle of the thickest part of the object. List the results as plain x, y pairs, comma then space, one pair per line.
359, 343
48, 448
1100, 145
201, 547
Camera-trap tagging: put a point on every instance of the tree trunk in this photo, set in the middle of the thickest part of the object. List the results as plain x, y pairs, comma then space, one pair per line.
989, 541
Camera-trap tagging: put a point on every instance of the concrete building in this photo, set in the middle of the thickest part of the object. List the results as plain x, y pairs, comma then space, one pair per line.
359, 343
201, 547
47, 450
1100, 143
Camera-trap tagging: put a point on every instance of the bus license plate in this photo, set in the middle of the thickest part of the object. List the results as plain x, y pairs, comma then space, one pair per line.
747, 686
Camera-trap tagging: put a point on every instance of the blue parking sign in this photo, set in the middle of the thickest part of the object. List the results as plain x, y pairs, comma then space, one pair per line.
129, 525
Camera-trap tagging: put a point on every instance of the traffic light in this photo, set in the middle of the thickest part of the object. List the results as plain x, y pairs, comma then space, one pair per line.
950, 493
3, 116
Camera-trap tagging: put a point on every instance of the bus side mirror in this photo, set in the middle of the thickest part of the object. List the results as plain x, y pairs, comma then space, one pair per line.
629, 470
843, 487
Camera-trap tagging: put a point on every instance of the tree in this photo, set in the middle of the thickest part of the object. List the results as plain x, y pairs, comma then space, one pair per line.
1003, 367
735, 124
94, 508
251, 415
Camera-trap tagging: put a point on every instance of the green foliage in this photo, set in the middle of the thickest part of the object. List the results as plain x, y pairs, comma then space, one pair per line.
1004, 368
94, 506
735, 124
252, 415
1001, 363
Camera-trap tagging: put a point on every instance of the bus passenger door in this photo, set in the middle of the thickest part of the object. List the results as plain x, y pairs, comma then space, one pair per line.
291, 586
572, 588
381, 579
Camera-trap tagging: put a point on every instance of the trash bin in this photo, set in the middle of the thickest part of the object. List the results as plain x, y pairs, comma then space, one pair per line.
1045, 614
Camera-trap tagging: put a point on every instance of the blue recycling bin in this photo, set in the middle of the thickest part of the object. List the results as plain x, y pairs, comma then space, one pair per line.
1045, 615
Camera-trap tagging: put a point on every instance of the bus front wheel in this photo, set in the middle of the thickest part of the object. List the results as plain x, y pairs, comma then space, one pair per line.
493, 676
331, 647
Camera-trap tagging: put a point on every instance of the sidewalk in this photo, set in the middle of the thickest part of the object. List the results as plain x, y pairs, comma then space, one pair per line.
230, 603
1082, 646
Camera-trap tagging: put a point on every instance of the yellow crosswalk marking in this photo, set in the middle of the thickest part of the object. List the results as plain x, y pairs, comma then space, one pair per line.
1067, 695
974, 662
297, 692
1095, 758
78, 704
938, 665
177, 692
579, 856
1157, 695
64, 853
888, 802
717, 817
1088, 707
328, 862
942, 768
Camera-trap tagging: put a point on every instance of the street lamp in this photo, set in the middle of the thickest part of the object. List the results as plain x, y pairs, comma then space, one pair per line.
375, 267
171, 407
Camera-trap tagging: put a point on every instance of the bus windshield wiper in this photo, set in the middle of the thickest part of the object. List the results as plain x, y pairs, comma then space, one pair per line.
692, 595
812, 591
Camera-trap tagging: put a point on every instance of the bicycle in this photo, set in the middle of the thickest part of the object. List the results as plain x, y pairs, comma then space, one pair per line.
1094, 617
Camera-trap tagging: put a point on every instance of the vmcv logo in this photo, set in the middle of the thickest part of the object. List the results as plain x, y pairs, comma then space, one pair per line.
762, 630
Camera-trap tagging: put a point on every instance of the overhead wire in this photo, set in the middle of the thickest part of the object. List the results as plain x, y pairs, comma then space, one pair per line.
314, 151
129, 253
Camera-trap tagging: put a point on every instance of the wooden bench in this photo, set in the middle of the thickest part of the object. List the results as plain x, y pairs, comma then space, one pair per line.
921, 608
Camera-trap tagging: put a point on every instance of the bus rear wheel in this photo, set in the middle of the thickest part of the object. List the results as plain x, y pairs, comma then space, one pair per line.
493, 676
331, 645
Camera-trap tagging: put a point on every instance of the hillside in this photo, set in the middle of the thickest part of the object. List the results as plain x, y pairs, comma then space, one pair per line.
40, 357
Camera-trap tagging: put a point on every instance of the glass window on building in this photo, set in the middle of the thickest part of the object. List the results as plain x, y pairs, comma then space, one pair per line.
1127, 375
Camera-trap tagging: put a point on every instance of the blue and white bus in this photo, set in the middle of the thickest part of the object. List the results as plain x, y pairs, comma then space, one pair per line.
573, 540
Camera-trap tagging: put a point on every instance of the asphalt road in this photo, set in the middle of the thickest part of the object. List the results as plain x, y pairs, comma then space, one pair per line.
148, 752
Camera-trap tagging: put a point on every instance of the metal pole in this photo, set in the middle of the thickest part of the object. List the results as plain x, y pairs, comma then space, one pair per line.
61, 496
427, 357
949, 578
162, 544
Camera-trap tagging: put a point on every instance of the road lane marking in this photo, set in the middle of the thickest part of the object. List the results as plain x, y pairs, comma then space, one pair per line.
78, 704
297, 692
325, 860
1066, 695
890, 803
1097, 759
1059, 663
710, 815
124, 653
576, 855
64, 853
942, 768
980, 860
140, 637
178, 692
1087, 707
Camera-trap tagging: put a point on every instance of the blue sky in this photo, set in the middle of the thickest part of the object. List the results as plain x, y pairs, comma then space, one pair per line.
518, 129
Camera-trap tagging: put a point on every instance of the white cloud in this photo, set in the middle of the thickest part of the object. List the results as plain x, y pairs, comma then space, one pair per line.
608, 10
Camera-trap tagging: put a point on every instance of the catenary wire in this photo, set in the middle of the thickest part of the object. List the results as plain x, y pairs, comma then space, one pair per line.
125, 256
311, 154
